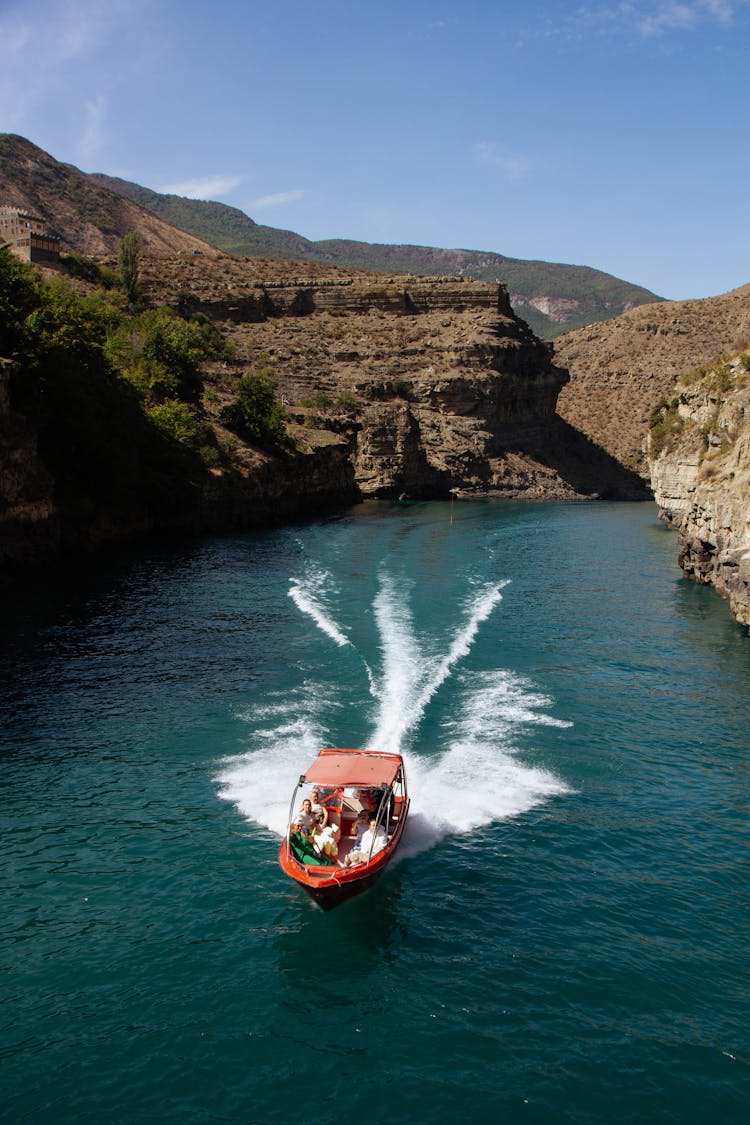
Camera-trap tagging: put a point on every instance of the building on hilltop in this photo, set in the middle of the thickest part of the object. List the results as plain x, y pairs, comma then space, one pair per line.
26, 236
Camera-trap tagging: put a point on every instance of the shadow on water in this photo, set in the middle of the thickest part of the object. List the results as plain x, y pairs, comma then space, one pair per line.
336, 951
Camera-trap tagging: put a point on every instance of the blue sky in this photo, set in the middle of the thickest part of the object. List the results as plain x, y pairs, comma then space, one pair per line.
610, 134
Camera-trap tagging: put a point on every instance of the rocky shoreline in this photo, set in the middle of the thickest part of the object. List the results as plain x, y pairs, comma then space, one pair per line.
699, 454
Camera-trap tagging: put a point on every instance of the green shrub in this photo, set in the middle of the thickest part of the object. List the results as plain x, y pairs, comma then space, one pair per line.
350, 403
79, 265
179, 421
163, 355
129, 261
665, 423
103, 451
256, 413
20, 294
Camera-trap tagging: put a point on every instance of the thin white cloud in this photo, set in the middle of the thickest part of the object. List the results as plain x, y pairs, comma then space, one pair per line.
278, 199
662, 18
203, 187
93, 138
53, 48
489, 152
648, 19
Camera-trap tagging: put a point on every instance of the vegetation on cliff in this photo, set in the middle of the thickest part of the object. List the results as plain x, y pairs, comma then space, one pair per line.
699, 449
114, 396
714, 386
623, 372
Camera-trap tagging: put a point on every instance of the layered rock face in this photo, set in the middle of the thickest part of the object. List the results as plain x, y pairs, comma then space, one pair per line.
435, 383
395, 387
700, 473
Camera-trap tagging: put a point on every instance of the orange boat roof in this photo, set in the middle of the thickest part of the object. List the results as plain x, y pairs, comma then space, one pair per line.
353, 767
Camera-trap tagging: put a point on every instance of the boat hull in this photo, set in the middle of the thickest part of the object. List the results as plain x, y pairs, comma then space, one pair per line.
352, 784
329, 887
328, 897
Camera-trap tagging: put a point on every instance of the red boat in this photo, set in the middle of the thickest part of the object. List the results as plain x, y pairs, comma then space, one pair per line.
362, 788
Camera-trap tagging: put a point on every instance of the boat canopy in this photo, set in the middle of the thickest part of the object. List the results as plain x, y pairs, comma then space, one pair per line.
353, 767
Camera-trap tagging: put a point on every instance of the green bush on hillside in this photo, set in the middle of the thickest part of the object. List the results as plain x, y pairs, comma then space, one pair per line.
19, 296
163, 355
79, 265
665, 423
256, 414
105, 452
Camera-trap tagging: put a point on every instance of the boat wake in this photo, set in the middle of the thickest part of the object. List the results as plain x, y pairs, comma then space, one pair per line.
307, 596
470, 776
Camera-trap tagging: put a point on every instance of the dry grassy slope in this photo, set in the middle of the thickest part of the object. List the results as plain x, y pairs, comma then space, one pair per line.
223, 274
621, 369
88, 219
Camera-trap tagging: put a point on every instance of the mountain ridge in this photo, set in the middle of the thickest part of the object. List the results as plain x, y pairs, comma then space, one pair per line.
87, 217
552, 297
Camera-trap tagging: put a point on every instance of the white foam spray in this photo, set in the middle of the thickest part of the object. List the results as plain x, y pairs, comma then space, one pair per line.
307, 594
477, 779
286, 735
472, 775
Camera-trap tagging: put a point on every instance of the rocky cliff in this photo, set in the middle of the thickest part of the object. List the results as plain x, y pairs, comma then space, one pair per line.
622, 368
550, 296
699, 455
394, 387
434, 383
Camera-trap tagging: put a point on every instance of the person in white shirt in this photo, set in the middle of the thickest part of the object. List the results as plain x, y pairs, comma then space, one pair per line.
373, 840
322, 811
361, 825
305, 818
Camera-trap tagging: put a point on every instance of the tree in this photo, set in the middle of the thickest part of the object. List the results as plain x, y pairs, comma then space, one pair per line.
130, 253
164, 355
19, 296
255, 413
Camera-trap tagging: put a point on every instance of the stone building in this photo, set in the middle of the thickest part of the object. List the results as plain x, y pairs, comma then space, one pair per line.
26, 236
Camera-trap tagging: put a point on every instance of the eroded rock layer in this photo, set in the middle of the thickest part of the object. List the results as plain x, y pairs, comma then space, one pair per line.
437, 386
700, 471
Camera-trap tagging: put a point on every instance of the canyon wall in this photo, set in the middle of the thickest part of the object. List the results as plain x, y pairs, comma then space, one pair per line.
699, 455
438, 387
394, 388
29, 525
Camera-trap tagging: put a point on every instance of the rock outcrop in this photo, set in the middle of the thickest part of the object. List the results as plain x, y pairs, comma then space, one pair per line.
437, 385
699, 453
622, 368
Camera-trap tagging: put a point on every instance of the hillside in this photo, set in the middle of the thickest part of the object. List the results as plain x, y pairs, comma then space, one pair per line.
86, 216
620, 370
551, 297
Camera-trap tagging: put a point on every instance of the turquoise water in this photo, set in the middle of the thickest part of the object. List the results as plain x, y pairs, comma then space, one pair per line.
565, 935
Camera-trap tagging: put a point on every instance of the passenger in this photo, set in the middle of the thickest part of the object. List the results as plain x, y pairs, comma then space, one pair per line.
368, 798
360, 827
373, 840
319, 809
324, 838
304, 818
